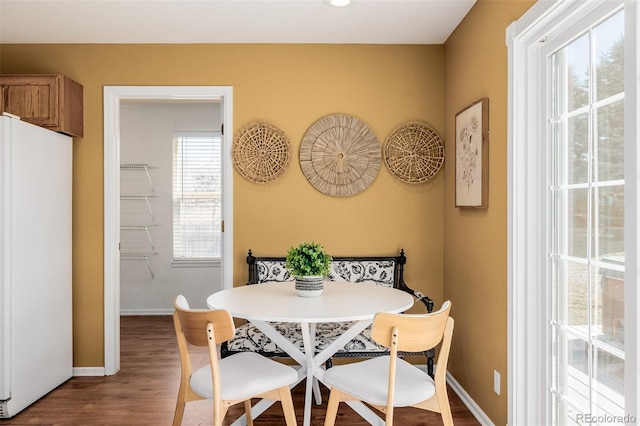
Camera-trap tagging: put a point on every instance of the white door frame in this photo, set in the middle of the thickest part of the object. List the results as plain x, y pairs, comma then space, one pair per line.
112, 97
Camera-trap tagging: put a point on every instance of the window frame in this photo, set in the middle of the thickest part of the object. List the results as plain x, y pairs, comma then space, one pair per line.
528, 217
592, 185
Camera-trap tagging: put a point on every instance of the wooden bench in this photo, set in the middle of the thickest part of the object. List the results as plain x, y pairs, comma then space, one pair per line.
381, 270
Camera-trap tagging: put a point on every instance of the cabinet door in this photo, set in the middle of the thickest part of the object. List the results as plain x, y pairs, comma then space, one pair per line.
34, 98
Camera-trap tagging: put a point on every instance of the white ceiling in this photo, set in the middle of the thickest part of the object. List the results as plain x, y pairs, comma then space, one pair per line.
229, 21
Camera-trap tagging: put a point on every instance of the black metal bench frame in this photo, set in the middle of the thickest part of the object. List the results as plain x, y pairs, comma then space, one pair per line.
398, 282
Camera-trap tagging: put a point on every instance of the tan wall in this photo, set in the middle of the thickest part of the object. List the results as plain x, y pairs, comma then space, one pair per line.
290, 86
475, 244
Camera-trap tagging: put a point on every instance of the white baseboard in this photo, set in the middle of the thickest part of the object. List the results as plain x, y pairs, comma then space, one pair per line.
469, 402
138, 311
464, 397
88, 371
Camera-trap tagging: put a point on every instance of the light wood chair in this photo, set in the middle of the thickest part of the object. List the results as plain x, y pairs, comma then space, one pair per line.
231, 380
388, 381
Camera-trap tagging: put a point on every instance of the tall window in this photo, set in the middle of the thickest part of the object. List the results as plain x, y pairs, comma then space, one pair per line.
587, 225
197, 233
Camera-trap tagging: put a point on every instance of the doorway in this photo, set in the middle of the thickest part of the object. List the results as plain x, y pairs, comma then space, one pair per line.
113, 98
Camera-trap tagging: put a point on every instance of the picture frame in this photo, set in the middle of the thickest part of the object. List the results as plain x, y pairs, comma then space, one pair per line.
472, 155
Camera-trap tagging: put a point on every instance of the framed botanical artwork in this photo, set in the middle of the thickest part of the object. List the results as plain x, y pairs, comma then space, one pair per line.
472, 155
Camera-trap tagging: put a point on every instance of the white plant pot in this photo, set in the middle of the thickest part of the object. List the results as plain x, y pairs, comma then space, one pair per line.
310, 286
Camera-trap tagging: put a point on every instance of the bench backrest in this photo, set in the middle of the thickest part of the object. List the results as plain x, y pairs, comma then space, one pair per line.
382, 270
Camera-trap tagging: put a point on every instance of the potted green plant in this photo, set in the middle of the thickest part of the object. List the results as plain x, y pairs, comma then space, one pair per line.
309, 264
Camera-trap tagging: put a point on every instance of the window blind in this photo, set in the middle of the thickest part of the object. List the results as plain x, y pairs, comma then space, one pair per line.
197, 174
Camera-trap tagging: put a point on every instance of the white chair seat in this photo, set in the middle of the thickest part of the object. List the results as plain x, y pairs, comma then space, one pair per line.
368, 380
238, 375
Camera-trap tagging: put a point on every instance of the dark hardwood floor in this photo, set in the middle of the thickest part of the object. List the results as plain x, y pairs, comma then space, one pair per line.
144, 391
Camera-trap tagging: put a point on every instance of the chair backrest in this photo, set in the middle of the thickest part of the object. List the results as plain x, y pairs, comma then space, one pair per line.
416, 333
193, 323
202, 328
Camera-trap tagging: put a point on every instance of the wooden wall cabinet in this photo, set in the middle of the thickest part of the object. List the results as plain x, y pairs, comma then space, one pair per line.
48, 100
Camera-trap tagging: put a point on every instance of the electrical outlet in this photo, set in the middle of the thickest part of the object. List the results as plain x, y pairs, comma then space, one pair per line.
496, 382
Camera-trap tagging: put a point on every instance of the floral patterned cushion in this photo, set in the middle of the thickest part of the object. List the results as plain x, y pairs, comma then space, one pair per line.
272, 271
249, 338
356, 271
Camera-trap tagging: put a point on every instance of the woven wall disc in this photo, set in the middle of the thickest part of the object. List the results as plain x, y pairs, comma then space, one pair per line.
261, 152
414, 152
340, 155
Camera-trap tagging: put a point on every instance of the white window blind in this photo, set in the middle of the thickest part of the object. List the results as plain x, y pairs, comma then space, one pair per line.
197, 172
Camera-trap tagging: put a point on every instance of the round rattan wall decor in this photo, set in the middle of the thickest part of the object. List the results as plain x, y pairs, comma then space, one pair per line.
261, 152
414, 152
340, 155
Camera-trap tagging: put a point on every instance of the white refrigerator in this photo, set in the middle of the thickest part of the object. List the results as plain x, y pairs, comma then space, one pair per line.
36, 353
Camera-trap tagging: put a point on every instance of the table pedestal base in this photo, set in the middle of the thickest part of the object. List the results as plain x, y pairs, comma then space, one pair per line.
311, 368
